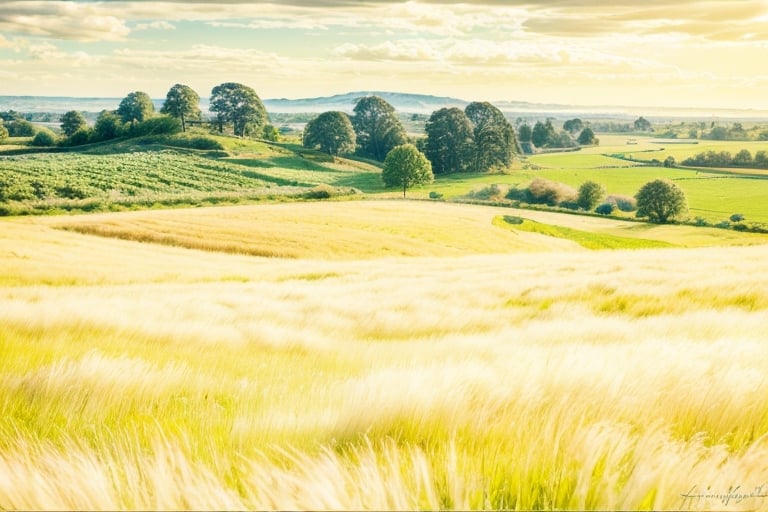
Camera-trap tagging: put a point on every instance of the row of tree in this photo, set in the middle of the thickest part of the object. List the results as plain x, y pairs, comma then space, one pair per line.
476, 139
725, 159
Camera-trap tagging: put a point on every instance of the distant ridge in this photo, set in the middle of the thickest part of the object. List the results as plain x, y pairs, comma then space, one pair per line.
416, 103
403, 102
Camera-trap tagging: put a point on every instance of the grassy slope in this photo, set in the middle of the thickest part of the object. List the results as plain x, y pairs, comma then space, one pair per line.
151, 377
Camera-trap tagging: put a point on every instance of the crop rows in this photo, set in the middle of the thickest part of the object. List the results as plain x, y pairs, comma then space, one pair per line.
70, 176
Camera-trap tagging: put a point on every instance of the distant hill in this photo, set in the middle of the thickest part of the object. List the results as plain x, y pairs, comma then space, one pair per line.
416, 103
403, 102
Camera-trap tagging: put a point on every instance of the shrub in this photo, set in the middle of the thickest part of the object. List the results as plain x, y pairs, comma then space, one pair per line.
321, 191
80, 137
701, 222
435, 195
44, 138
590, 195
160, 125
605, 209
723, 225
489, 193
623, 203
737, 217
542, 191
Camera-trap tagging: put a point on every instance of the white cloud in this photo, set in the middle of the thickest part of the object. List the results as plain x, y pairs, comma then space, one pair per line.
155, 25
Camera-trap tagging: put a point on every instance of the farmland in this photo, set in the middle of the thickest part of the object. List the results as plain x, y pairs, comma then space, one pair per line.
348, 375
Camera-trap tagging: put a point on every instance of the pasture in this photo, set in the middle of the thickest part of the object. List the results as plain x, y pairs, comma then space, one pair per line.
442, 361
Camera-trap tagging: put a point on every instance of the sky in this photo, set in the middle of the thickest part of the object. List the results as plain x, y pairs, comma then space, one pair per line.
684, 53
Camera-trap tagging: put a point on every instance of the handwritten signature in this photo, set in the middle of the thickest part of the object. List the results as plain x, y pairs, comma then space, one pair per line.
734, 494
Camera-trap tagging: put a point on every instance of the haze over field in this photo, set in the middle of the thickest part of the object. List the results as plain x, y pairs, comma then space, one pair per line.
689, 53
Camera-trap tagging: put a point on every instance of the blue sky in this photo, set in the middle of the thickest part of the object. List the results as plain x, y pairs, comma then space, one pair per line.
688, 53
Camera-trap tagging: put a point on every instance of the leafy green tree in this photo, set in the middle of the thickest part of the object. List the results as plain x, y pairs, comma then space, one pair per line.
660, 200
743, 158
21, 128
270, 133
108, 126
573, 126
590, 195
183, 103
643, 125
525, 133
377, 127
543, 134
44, 137
135, 108
449, 143
332, 132
406, 166
71, 122
240, 105
587, 137
3, 130
493, 135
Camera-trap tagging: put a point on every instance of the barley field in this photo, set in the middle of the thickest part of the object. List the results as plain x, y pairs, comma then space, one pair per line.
478, 368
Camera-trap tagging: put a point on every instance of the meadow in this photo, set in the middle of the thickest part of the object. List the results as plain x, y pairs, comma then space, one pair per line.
443, 361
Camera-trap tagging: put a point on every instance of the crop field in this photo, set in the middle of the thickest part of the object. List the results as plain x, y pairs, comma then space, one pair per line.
448, 362
122, 174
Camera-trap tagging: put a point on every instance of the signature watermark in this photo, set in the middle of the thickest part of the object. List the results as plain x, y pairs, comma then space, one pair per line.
735, 495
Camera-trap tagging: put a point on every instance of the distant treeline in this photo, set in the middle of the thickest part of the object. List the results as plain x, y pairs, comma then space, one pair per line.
725, 159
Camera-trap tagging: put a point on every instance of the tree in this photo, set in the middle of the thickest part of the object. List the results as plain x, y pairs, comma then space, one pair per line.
377, 127
3, 130
21, 128
743, 158
449, 140
183, 103
587, 137
240, 105
643, 125
573, 126
135, 108
406, 166
660, 200
543, 134
525, 133
332, 132
590, 195
71, 122
44, 137
108, 126
494, 137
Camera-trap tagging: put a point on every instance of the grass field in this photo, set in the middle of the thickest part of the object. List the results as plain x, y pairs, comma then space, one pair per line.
488, 368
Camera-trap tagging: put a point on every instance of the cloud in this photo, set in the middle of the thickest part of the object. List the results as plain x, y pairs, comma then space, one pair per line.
155, 25
61, 20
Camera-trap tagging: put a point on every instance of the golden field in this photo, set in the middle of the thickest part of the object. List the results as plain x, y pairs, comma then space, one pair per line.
387, 355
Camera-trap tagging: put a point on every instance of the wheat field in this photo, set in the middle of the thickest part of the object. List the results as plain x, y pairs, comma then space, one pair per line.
484, 370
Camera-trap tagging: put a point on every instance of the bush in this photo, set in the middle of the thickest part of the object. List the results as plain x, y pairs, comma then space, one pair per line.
492, 192
160, 125
590, 195
623, 203
737, 217
701, 222
80, 137
321, 191
542, 191
435, 195
605, 209
44, 138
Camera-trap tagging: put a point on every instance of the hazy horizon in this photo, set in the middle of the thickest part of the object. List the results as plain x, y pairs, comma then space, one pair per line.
688, 53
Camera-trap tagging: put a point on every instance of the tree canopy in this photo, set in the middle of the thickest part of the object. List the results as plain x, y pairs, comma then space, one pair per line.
590, 194
449, 141
643, 125
71, 122
239, 105
377, 127
543, 133
406, 166
660, 200
573, 126
587, 137
183, 103
135, 108
3, 130
493, 135
332, 132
